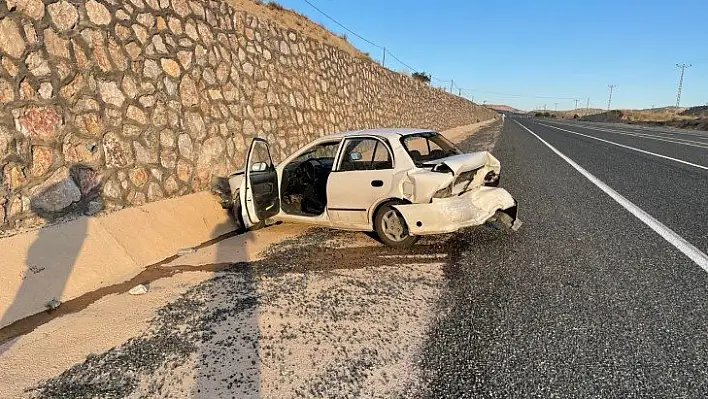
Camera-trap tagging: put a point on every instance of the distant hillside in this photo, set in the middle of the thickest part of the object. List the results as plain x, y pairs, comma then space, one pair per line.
505, 108
701, 112
571, 114
694, 118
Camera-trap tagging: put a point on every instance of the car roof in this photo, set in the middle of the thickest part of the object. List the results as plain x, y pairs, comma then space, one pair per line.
389, 133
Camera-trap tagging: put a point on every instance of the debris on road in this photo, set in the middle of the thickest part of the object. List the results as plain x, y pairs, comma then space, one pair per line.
139, 289
186, 251
53, 304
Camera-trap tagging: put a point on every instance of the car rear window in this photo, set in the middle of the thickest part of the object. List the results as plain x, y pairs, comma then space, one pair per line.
428, 146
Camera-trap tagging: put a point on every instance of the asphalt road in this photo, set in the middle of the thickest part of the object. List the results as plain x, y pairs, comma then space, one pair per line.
586, 300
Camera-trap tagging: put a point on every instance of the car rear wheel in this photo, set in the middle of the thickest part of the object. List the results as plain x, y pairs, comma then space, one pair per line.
391, 227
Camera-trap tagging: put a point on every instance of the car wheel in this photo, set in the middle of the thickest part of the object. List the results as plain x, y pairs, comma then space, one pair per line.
237, 213
391, 227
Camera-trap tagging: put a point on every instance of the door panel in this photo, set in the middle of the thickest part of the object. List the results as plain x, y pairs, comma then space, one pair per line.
262, 193
363, 177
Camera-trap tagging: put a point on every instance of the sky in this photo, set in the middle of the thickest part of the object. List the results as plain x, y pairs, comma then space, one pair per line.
516, 52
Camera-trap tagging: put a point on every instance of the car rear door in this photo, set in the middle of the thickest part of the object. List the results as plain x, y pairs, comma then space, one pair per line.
262, 192
362, 177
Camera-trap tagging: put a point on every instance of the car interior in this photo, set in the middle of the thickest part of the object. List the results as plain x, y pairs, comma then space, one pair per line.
304, 180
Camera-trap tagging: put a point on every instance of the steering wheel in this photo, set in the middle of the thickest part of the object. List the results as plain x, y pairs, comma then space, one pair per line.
309, 167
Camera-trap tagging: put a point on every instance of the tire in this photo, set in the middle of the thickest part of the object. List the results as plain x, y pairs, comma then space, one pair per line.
238, 217
392, 228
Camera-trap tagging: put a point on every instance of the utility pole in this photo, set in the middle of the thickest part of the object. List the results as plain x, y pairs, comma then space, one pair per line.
683, 69
544, 107
383, 62
459, 92
556, 104
609, 101
587, 106
452, 83
576, 103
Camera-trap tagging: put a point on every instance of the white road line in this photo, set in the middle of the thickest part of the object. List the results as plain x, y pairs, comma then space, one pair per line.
674, 140
630, 148
666, 233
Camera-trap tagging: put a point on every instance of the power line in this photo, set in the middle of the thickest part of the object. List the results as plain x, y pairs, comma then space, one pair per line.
343, 27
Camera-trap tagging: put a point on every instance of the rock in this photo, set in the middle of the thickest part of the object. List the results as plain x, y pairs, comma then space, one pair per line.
154, 192
14, 176
70, 90
186, 251
171, 185
78, 150
138, 290
171, 67
37, 65
211, 152
185, 58
144, 154
87, 178
136, 114
184, 171
248, 128
138, 176
33, 8
63, 14
167, 138
56, 193
42, 159
146, 19
110, 93
159, 44
27, 92
11, 41
10, 66
248, 69
118, 152
147, 101
152, 70
181, 7
112, 189
130, 88
194, 125
97, 13
53, 304
46, 90
39, 122
116, 53
168, 159
188, 91
7, 92
56, 46
140, 32
184, 143
133, 50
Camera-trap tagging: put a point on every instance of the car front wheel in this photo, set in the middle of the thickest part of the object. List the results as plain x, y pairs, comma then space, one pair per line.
391, 227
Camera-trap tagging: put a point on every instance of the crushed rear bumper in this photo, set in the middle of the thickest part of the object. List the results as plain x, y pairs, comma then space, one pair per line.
473, 208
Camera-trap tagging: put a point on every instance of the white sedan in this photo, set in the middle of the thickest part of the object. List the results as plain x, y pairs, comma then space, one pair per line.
400, 183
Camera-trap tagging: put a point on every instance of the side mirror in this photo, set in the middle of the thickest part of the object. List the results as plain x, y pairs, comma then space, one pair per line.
259, 167
355, 156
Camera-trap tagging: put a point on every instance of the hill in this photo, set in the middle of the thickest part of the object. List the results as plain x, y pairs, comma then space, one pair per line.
505, 108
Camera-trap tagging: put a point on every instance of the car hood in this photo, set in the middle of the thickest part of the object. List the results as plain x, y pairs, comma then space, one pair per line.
465, 162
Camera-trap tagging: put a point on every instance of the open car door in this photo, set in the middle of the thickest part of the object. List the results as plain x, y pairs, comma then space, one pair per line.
262, 192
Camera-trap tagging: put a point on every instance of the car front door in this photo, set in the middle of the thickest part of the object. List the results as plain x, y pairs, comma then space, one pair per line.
362, 177
262, 193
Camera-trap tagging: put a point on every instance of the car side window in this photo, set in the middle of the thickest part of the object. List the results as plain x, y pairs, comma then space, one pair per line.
322, 151
365, 154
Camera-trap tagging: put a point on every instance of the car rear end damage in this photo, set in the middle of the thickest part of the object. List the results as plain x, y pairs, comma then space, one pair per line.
472, 208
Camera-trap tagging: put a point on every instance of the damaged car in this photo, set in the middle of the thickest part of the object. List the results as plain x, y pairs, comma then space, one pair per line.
399, 183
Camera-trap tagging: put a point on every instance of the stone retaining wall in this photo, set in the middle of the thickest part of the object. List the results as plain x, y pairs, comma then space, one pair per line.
107, 104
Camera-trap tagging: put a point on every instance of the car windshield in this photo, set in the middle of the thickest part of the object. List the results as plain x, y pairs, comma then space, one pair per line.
428, 146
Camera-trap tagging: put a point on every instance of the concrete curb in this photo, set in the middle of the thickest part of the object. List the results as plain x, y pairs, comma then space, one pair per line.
65, 261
